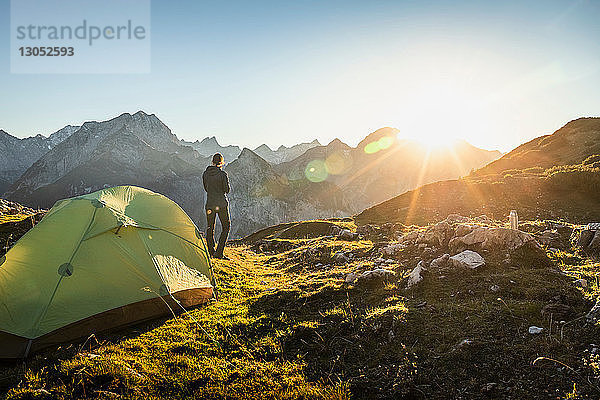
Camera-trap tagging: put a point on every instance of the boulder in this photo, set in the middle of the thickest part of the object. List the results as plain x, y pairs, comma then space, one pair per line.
492, 239
378, 274
416, 275
346, 234
464, 229
393, 249
410, 238
437, 235
467, 259
530, 255
440, 262
585, 237
594, 245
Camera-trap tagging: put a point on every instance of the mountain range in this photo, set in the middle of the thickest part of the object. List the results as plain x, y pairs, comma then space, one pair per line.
384, 165
209, 146
300, 182
20, 154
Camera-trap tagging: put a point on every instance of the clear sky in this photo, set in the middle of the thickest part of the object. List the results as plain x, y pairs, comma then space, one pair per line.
281, 72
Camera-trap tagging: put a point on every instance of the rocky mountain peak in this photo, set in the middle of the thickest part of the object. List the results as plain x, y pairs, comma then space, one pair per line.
209, 141
377, 135
263, 147
61, 135
284, 153
250, 161
337, 144
248, 154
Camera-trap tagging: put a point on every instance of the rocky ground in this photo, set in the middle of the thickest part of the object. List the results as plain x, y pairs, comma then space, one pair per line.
463, 308
15, 221
489, 311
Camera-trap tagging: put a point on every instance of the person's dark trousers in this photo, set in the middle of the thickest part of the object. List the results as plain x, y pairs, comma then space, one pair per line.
211, 215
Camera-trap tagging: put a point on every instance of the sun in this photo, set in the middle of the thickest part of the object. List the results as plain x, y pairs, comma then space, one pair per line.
437, 141
442, 114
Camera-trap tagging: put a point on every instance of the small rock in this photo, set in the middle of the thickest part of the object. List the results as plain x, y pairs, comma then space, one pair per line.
494, 288
488, 387
582, 283
351, 277
467, 259
340, 258
464, 342
415, 276
534, 330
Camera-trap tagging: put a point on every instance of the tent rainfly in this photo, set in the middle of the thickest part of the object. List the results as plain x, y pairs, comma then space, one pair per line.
97, 262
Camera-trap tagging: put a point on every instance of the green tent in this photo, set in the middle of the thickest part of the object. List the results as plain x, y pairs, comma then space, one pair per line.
96, 262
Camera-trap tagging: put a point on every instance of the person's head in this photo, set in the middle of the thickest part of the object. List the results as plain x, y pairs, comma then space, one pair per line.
218, 160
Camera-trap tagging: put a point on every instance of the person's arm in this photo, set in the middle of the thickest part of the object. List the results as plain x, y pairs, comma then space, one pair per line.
226, 187
204, 181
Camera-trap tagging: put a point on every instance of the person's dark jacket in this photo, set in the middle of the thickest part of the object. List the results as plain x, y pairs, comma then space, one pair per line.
216, 184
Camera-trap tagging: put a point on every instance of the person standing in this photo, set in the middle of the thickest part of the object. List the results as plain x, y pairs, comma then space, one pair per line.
216, 185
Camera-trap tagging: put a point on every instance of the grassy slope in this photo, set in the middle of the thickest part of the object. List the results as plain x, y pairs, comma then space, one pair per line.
571, 144
205, 353
285, 327
570, 192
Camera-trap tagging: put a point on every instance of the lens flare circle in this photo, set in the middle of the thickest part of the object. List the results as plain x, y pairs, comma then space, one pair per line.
381, 144
316, 171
